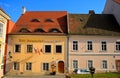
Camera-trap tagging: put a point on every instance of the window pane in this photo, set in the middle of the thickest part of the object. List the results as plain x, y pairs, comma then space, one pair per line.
28, 66
104, 46
104, 64
1, 29
47, 48
16, 65
75, 45
58, 48
46, 66
17, 48
75, 63
118, 46
89, 45
29, 48
90, 63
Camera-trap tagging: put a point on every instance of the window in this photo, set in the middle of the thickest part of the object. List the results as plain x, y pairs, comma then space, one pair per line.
28, 66
104, 46
75, 45
2, 66
39, 30
35, 20
16, 65
47, 48
104, 64
1, 29
46, 66
75, 64
89, 45
117, 46
58, 49
29, 48
54, 30
49, 20
90, 63
24, 30
17, 48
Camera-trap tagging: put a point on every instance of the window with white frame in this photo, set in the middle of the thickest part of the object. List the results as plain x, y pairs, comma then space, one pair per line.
89, 45
104, 45
16, 65
75, 64
17, 48
117, 46
45, 66
28, 66
90, 63
1, 29
29, 48
104, 64
75, 45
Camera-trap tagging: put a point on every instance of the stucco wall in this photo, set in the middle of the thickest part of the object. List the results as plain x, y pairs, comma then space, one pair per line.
96, 55
37, 59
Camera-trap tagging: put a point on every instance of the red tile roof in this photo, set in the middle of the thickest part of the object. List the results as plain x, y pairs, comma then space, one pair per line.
118, 1
33, 20
10, 25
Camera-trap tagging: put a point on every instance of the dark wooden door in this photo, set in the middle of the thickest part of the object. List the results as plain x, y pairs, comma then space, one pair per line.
61, 67
118, 65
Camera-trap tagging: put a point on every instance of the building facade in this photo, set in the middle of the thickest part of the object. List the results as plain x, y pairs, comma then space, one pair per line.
3, 27
37, 43
94, 42
113, 7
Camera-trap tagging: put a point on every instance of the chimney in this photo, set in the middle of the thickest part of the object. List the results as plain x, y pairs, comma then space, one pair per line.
91, 12
23, 10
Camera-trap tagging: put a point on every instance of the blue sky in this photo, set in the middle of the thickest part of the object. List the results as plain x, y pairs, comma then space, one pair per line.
14, 7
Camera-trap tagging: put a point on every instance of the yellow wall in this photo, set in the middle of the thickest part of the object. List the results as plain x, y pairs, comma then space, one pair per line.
37, 59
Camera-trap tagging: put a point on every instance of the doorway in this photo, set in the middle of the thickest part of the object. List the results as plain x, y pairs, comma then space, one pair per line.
61, 67
118, 65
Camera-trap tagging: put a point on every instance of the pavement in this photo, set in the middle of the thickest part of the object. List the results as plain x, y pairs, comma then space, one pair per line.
39, 76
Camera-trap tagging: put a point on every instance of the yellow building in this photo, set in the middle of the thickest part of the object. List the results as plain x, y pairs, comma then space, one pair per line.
3, 25
37, 44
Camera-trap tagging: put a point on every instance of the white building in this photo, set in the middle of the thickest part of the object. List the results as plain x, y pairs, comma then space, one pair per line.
3, 26
94, 40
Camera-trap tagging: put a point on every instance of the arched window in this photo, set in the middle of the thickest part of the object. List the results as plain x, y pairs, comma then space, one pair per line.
24, 30
39, 30
49, 20
1, 29
35, 20
54, 30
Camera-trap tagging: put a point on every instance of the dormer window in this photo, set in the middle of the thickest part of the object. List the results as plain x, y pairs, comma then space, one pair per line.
24, 30
39, 30
49, 20
35, 20
54, 30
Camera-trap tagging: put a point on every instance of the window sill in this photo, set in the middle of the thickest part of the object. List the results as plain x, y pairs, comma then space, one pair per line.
102, 51
117, 51
89, 51
74, 50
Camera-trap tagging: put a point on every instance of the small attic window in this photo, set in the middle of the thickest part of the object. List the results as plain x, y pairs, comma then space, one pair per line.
39, 30
54, 30
35, 20
49, 20
81, 19
24, 30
